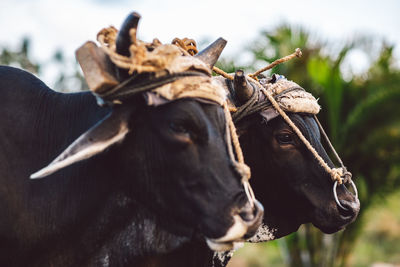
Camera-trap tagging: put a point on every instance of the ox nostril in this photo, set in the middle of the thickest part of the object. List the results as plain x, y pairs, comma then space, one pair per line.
349, 208
251, 214
247, 213
347, 203
257, 214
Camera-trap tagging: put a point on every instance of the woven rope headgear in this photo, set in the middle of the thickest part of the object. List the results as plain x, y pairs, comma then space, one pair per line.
168, 60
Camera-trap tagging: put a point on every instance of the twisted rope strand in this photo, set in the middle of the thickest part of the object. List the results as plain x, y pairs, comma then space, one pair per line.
189, 45
240, 166
328, 141
346, 174
297, 53
186, 44
222, 73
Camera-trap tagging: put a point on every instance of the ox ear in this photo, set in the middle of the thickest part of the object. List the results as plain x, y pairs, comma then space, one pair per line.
104, 134
212, 52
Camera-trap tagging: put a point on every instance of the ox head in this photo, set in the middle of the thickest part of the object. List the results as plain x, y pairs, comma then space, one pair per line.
288, 180
170, 155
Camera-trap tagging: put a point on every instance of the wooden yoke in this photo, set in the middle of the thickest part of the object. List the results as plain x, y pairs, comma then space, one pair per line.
97, 68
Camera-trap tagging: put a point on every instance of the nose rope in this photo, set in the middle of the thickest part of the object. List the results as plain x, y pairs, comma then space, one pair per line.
233, 143
346, 174
335, 173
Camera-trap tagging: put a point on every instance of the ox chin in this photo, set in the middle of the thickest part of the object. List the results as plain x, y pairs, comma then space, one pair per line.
245, 225
233, 238
224, 246
329, 230
330, 226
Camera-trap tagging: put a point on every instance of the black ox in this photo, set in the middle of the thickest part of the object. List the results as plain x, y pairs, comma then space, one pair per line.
165, 178
287, 179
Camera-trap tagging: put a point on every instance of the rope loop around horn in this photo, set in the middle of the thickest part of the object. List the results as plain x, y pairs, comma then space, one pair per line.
186, 44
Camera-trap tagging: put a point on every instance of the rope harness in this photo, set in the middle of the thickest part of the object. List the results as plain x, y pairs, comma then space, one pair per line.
175, 74
275, 92
338, 175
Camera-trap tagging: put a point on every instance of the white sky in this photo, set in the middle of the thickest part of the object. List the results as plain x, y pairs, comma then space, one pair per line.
54, 24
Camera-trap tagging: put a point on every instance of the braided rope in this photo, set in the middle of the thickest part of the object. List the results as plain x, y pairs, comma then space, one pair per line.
297, 53
142, 55
235, 139
346, 174
240, 166
222, 73
186, 44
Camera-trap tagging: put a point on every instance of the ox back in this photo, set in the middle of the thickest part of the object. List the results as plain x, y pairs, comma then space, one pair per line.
80, 215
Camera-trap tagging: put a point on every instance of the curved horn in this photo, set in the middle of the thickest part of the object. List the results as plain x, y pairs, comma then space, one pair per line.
243, 89
124, 40
211, 53
107, 132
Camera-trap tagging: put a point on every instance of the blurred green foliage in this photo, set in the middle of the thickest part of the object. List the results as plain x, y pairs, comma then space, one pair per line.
19, 57
67, 74
361, 114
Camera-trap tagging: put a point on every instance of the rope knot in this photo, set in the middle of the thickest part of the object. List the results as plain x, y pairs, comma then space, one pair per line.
347, 176
189, 45
298, 52
336, 174
341, 175
108, 36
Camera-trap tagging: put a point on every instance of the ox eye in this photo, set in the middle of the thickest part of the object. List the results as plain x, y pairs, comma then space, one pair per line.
284, 139
180, 133
178, 128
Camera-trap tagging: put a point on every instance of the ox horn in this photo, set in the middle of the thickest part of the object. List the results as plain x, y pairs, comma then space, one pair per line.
211, 53
105, 133
243, 89
124, 40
